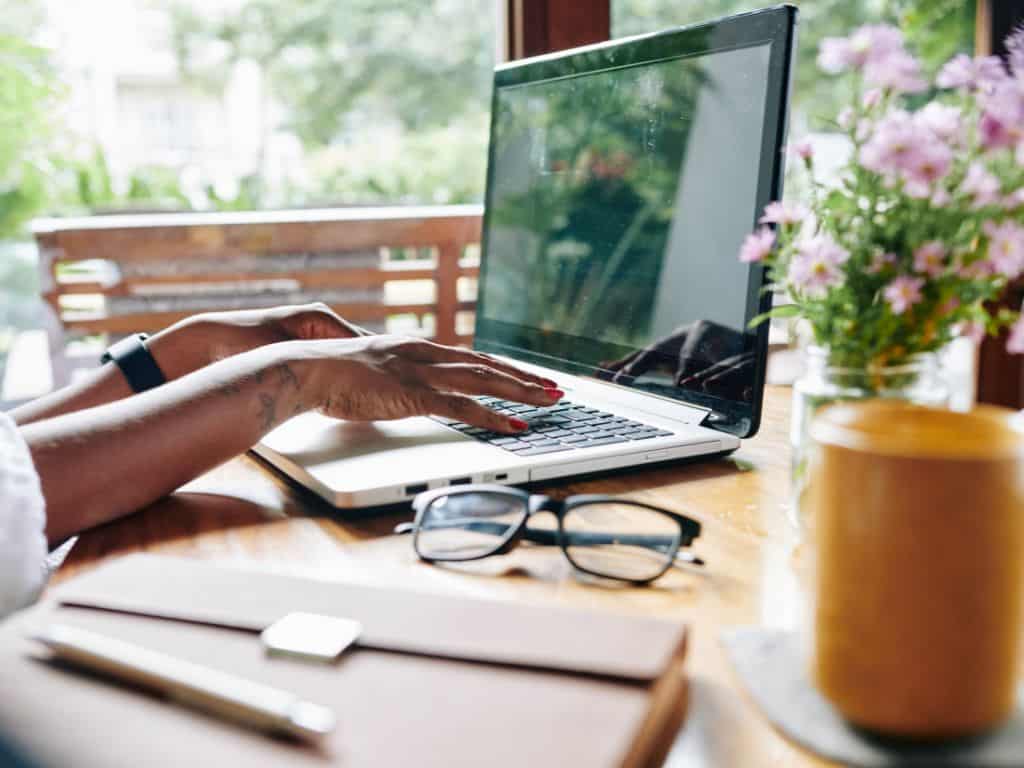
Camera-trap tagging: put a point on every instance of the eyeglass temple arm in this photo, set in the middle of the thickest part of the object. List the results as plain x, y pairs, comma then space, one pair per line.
548, 538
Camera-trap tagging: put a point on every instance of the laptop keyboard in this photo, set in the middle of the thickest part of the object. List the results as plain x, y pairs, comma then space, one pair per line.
562, 427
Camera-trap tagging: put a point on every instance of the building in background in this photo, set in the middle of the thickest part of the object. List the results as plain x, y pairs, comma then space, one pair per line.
126, 95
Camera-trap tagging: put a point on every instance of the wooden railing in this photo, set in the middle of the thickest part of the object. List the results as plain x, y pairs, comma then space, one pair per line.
140, 272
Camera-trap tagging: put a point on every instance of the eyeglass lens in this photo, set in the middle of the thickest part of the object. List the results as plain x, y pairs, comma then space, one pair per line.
465, 526
620, 540
609, 538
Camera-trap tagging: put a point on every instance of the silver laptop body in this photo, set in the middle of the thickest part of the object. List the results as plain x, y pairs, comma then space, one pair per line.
622, 179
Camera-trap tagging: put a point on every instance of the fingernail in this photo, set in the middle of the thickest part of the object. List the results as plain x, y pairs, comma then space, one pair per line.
549, 384
518, 424
554, 394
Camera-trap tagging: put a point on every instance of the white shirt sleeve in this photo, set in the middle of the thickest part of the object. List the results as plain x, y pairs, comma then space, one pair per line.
22, 517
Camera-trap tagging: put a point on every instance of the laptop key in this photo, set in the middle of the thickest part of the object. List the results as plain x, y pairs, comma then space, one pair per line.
577, 415
517, 446
545, 449
610, 440
575, 439
502, 441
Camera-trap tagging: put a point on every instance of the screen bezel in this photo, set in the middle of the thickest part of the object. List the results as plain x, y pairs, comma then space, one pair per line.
773, 26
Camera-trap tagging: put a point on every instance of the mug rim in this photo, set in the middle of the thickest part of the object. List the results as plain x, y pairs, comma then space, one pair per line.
873, 426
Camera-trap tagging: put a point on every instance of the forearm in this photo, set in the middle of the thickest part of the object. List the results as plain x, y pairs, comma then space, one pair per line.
177, 350
107, 461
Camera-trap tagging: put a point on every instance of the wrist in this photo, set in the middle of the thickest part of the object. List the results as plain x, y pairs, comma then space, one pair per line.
290, 371
178, 349
197, 341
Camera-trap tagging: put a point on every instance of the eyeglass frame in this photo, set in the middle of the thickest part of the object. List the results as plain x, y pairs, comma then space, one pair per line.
689, 529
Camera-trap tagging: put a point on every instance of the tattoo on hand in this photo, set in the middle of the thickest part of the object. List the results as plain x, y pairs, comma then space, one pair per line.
268, 410
287, 376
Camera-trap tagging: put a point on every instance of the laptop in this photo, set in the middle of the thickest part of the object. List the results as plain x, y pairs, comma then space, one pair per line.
622, 179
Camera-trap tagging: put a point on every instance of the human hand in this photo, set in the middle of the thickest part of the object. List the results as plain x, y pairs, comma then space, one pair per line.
204, 338
393, 377
703, 355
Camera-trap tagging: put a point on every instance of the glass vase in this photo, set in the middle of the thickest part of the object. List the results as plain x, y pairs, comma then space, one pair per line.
917, 380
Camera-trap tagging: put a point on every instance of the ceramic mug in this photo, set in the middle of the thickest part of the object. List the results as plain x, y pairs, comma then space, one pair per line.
917, 524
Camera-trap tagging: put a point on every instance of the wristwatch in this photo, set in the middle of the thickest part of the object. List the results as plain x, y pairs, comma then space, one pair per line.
136, 362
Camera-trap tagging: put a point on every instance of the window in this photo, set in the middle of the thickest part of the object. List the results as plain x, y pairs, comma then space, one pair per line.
936, 29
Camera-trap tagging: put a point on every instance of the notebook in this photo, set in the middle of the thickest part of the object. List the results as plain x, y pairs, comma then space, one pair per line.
434, 680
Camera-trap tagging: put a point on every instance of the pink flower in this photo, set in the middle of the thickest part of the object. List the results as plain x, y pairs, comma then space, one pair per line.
944, 121
981, 184
1014, 200
909, 148
872, 98
930, 258
881, 261
893, 142
816, 267
783, 214
903, 293
757, 245
1015, 51
977, 270
898, 72
1006, 248
928, 164
803, 149
973, 330
972, 74
1002, 122
845, 117
871, 42
940, 198
993, 132
1015, 344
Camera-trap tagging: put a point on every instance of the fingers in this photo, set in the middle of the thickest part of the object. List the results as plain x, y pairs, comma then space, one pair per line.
736, 363
622, 362
428, 352
469, 411
483, 379
637, 365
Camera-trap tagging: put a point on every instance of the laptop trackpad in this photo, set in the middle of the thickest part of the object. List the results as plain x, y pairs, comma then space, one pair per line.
314, 439
348, 456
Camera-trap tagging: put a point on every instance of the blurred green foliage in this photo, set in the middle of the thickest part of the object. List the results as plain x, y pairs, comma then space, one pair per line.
389, 97
28, 91
935, 30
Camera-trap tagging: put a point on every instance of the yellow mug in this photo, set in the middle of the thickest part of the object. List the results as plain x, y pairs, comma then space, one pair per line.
917, 521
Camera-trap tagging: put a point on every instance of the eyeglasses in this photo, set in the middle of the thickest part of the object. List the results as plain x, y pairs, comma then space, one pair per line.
600, 535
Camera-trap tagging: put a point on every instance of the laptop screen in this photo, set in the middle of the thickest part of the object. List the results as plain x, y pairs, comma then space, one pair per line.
618, 197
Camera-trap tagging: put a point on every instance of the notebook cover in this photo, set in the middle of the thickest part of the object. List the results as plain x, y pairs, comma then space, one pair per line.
637, 648
423, 708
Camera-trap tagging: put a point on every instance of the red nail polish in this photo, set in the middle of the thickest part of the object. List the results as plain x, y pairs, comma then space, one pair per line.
548, 383
518, 424
554, 394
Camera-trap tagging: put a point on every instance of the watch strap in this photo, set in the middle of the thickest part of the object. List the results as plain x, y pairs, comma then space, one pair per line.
136, 362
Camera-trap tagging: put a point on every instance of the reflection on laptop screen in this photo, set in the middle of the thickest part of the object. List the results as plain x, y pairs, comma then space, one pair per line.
617, 202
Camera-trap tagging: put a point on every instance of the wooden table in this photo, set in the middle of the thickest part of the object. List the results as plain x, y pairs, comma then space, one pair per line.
241, 513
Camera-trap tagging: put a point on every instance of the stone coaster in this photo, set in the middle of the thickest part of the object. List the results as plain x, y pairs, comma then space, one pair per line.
773, 669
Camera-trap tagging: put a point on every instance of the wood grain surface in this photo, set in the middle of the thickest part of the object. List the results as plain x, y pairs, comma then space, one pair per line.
242, 513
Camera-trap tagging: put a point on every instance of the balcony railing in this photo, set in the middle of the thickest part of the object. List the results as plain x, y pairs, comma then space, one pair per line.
412, 269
